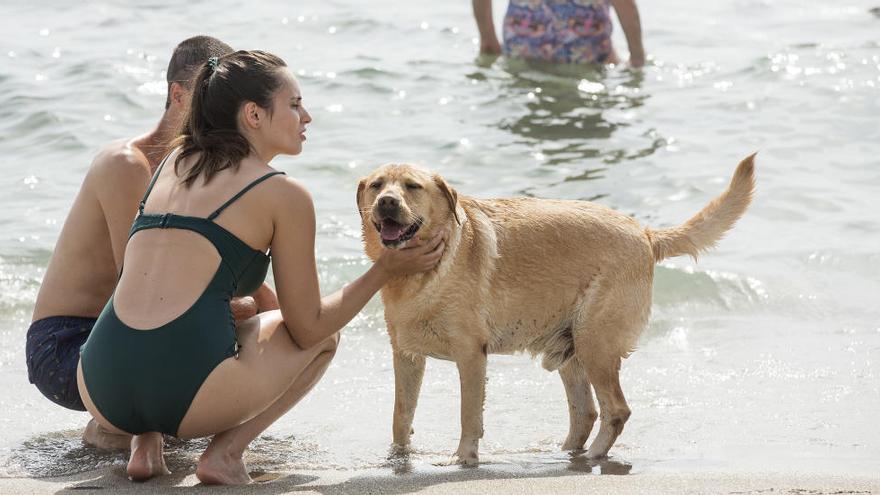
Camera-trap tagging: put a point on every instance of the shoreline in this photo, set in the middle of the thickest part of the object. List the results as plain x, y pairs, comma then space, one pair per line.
458, 480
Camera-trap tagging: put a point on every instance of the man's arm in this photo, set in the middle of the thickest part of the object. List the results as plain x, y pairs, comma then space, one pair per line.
121, 177
628, 14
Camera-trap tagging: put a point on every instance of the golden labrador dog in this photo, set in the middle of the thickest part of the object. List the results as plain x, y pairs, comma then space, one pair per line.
568, 280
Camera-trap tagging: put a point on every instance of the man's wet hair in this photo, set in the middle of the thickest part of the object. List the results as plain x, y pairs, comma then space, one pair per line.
188, 57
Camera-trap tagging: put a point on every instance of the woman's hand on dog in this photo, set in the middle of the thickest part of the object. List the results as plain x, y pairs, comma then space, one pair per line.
417, 256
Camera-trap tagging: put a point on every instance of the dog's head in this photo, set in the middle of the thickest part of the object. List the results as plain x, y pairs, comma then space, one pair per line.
399, 201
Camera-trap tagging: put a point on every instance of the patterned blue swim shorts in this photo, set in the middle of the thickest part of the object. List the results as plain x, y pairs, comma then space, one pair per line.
53, 354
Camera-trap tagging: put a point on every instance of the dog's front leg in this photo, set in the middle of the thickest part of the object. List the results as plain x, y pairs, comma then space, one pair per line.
472, 374
408, 372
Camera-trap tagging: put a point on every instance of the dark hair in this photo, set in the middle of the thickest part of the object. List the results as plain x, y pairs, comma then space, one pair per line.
220, 88
188, 56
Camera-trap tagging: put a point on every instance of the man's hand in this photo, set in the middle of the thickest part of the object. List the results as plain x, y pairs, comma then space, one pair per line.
265, 298
243, 307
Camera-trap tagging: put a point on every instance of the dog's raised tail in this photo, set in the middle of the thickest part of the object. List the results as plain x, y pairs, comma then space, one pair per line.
707, 227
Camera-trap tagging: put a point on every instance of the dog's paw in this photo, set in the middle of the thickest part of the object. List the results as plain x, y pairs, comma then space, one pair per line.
397, 450
465, 458
457, 460
399, 459
573, 446
595, 455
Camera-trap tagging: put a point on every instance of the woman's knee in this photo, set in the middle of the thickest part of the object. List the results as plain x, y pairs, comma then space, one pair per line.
331, 343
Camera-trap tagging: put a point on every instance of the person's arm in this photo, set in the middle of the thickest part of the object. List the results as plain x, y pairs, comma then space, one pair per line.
310, 318
265, 298
628, 14
488, 39
121, 178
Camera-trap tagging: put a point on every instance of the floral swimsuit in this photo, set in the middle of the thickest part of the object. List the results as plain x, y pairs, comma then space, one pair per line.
568, 31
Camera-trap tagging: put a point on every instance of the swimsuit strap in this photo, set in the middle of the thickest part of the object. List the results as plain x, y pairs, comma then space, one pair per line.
241, 193
152, 183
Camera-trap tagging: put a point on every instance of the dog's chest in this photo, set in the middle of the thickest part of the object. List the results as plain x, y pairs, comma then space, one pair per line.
421, 335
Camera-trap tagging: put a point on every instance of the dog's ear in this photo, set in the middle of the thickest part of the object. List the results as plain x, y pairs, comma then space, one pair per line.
451, 196
360, 194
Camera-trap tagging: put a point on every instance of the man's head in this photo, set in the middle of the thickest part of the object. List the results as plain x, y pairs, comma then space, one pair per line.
188, 57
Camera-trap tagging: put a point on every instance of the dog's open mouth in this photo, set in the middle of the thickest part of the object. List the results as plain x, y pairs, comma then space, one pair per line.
394, 234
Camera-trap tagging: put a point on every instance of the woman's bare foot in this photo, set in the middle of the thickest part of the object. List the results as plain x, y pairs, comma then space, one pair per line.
146, 459
218, 467
96, 435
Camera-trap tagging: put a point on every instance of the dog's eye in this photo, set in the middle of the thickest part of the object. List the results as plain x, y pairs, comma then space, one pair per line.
412, 186
376, 185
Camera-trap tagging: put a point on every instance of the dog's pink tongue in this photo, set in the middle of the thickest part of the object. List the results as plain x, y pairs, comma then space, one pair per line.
391, 231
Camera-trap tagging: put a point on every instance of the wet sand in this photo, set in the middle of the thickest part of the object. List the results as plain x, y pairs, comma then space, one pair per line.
458, 481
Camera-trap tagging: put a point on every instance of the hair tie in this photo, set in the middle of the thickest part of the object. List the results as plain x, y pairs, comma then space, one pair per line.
213, 63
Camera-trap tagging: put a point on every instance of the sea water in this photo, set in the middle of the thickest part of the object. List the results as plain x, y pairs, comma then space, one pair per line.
761, 357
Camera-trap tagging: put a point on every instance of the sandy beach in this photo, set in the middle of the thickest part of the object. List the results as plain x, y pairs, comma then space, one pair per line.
459, 481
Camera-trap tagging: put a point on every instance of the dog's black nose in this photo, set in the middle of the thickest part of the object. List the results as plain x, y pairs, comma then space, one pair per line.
388, 204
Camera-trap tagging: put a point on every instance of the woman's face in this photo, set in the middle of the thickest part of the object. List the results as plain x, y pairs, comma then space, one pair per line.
285, 128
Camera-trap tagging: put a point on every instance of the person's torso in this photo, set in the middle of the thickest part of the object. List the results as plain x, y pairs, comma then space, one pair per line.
569, 31
82, 271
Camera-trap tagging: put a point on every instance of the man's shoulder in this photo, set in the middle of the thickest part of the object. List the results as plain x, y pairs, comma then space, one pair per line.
120, 161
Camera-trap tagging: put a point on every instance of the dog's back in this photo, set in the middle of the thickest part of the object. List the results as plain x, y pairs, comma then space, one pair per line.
556, 254
556, 259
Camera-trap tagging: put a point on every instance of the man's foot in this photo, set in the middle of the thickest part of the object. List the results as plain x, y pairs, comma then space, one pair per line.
220, 468
146, 459
96, 435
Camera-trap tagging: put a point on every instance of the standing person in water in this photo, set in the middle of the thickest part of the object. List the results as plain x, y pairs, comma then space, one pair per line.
564, 31
165, 355
87, 258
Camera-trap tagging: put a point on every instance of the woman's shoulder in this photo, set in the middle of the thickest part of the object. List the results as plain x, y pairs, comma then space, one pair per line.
288, 185
289, 193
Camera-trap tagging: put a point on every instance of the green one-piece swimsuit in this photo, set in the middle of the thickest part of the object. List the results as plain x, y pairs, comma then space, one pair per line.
145, 380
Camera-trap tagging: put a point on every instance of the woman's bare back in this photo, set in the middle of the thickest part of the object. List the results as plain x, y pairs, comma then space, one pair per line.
167, 269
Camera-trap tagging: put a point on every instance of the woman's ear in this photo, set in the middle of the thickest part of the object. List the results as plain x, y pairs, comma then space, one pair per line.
251, 115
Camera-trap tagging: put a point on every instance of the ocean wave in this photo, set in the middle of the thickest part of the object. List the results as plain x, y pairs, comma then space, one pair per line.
676, 287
